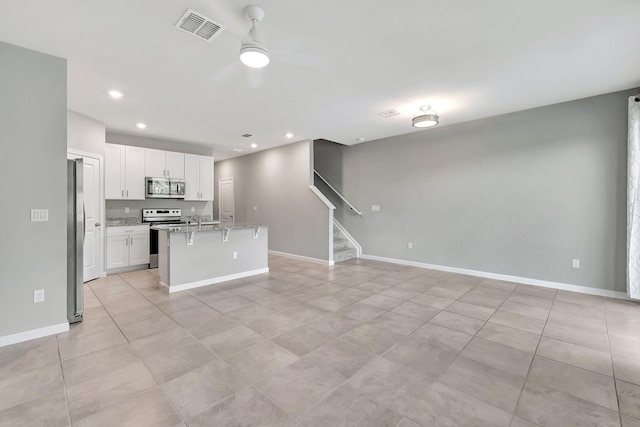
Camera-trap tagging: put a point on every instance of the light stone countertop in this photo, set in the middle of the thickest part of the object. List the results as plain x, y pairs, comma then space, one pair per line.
207, 226
123, 222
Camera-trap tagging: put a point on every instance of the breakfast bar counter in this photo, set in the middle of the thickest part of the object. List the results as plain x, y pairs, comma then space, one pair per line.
190, 256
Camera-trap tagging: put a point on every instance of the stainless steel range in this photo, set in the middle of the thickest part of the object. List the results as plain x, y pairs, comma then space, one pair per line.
157, 217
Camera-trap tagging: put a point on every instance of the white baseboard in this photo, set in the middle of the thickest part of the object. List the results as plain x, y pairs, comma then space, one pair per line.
214, 280
506, 278
33, 334
302, 258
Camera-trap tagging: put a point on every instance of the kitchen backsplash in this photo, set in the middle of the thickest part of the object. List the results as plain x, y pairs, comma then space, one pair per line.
116, 208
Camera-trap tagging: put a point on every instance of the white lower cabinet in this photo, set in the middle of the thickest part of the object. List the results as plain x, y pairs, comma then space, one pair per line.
127, 246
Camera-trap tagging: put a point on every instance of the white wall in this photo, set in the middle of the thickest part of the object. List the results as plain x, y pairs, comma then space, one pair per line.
85, 134
33, 168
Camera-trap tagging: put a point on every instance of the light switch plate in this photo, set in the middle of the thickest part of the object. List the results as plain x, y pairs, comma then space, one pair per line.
38, 295
39, 215
235, 255
375, 208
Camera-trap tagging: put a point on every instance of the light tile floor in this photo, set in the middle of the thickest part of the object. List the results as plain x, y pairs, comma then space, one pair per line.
361, 343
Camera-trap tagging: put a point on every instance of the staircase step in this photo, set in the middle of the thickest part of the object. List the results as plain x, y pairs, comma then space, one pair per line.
342, 244
344, 254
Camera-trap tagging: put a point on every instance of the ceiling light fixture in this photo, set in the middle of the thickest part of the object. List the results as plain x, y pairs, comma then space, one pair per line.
141, 125
289, 135
254, 145
253, 52
116, 94
425, 118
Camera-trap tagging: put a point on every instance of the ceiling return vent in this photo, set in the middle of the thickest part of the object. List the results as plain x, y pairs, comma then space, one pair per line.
199, 25
389, 113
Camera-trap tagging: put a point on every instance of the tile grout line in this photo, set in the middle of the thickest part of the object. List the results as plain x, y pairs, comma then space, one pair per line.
613, 370
64, 382
532, 359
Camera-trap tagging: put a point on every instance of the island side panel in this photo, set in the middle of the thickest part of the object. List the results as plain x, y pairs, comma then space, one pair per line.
210, 260
163, 257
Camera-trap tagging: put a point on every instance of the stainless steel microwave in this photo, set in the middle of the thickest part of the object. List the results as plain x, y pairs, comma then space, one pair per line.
164, 188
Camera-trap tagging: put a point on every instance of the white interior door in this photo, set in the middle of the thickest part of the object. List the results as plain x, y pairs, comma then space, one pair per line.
225, 187
93, 236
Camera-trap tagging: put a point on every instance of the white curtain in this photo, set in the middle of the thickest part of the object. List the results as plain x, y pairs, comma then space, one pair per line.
633, 200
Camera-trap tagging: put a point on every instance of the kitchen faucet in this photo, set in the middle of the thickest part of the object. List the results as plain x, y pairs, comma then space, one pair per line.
195, 218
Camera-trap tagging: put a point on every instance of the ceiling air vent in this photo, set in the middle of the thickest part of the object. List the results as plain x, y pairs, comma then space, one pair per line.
246, 135
199, 25
389, 113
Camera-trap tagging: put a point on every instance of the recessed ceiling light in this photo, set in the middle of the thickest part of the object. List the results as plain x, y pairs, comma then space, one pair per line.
289, 135
141, 125
237, 150
254, 145
362, 138
116, 94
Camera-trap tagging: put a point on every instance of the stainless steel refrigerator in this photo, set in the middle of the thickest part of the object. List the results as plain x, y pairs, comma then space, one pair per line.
75, 241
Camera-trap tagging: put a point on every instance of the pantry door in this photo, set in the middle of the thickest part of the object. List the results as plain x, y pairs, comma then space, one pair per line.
225, 191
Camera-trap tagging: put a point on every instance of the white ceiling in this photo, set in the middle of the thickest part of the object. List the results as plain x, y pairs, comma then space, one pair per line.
335, 64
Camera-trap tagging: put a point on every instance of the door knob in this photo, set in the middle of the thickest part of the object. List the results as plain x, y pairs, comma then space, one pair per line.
98, 224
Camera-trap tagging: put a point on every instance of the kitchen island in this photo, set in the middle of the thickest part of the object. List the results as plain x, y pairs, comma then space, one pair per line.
190, 256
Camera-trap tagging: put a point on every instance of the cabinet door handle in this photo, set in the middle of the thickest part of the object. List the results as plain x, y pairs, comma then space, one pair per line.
131, 238
126, 241
127, 193
123, 193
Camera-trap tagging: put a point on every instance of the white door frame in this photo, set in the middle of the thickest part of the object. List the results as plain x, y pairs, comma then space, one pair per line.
221, 199
101, 235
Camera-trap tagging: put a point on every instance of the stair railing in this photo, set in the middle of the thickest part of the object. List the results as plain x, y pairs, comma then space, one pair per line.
338, 193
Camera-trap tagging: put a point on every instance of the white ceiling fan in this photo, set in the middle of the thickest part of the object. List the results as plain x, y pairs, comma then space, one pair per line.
254, 48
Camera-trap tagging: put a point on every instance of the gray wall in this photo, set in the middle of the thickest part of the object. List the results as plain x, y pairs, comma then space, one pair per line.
33, 167
520, 194
277, 182
85, 134
116, 208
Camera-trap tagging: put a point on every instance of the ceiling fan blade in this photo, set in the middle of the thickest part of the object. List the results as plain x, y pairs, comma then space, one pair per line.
226, 72
255, 77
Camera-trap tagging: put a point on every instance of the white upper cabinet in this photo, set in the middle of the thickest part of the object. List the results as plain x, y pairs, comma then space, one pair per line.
175, 165
134, 173
167, 164
198, 172
114, 172
206, 178
155, 163
124, 172
191, 177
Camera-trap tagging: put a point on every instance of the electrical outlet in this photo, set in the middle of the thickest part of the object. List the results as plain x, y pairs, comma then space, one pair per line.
375, 208
235, 255
38, 296
576, 263
193, 209
127, 210
255, 208
409, 245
